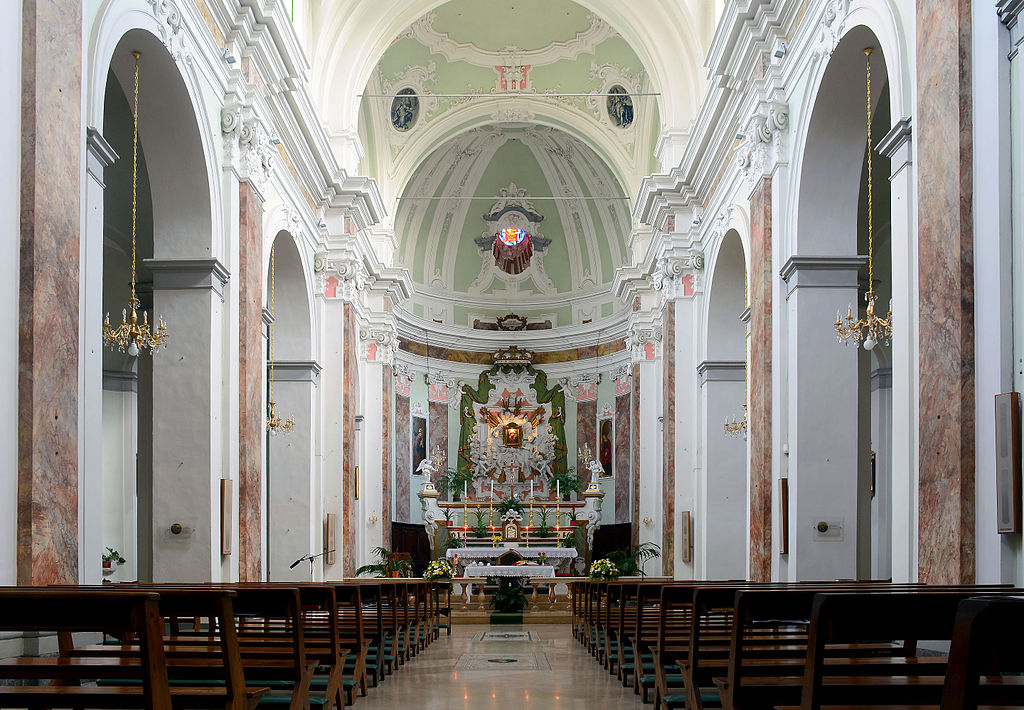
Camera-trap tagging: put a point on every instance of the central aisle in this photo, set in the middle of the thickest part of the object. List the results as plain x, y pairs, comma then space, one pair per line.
550, 671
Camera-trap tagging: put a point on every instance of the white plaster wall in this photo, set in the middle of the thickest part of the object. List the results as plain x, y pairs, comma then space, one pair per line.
331, 383
881, 502
998, 88
120, 505
10, 211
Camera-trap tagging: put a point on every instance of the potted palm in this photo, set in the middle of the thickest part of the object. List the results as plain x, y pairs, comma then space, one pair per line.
567, 482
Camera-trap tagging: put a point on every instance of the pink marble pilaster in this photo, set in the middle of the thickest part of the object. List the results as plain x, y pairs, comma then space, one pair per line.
635, 429
386, 429
251, 418
760, 410
403, 458
586, 429
348, 465
943, 124
437, 428
622, 459
51, 158
668, 431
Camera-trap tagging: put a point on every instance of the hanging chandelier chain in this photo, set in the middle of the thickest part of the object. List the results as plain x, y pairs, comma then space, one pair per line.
871, 222
135, 165
270, 344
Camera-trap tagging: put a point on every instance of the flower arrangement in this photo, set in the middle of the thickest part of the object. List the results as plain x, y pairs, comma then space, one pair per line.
438, 569
603, 569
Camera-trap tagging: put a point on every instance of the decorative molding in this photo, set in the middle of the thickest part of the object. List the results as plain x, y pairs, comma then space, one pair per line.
897, 145
186, 274
675, 274
169, 22
100, 154
642, 342
1009, 11
116, 381
422, 30
722, 371
379, 343
307, 371
762, 146
881, 379
821, 272
830, 29
341, 277
247, 146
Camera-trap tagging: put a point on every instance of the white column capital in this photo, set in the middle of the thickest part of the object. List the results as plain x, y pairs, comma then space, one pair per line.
762, 142
249, 145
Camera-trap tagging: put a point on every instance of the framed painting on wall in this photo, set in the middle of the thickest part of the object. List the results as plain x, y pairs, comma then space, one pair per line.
419, 442
1008, 463
606, 444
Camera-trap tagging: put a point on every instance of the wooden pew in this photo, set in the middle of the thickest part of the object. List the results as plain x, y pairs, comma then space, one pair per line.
840, 621
135, 614
986, 644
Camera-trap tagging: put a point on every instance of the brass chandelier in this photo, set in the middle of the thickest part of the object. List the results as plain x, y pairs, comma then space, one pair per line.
130, 335
736, 426
871, 328
275, 424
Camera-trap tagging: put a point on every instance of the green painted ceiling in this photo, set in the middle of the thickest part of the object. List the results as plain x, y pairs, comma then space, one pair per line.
527, 24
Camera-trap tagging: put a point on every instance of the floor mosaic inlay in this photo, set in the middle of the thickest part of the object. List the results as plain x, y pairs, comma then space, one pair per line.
514, 661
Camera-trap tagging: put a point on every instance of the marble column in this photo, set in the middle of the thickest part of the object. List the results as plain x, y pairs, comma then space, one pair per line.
187, 418
251, 412
403, 454
824, 417
350, 466
719, 544
333, 433
635, 445
759, 428
586, 423
623, 462
946, 293
386, 472
294, 510
48, 333
668, 445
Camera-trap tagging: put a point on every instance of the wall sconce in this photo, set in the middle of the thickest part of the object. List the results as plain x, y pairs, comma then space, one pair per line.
648, 520
372, 519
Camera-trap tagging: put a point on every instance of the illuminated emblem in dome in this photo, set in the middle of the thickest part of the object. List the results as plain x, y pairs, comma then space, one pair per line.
510, 236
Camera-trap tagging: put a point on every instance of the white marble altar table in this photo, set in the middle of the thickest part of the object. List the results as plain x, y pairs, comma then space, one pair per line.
509, 571
493, 553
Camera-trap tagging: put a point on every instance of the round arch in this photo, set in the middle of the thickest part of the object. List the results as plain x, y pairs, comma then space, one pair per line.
725, 334
293, 312
353, 39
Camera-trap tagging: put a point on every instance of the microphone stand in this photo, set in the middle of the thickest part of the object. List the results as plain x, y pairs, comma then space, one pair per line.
312, 559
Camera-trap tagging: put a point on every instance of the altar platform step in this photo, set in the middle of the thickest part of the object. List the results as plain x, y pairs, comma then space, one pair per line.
546, 616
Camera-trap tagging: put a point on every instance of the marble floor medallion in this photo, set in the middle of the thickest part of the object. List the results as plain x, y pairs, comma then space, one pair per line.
506, 636
511, 661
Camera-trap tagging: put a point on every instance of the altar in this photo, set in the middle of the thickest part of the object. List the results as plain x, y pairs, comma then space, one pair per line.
479, 570
559, 558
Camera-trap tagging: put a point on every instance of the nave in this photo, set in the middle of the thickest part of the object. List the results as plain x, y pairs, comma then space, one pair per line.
396, 642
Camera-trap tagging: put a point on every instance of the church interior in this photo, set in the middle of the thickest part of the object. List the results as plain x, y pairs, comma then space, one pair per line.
486, 351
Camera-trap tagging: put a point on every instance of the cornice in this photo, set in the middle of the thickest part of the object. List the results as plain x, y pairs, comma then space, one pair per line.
1009, 11
463, 338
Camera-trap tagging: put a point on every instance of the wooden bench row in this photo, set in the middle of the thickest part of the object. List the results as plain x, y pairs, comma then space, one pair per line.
810, 646
165, 646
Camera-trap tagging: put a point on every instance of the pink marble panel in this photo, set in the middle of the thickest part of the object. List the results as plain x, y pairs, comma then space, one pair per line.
51, 158
348, 466
760, 409
635, 445
387, 426
586, 391
668, 431
403, 458
403, 385
622, 385
586, 430
251, 418
437, 429
622, 459
945, 238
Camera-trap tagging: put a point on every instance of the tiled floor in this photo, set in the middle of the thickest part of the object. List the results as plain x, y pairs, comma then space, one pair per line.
431, 682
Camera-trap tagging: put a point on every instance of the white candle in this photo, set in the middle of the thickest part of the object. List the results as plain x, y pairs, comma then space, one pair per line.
465, 489
492, 489
531, 490
558, 489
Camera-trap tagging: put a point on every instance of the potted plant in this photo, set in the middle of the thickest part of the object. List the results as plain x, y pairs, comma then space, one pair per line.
479, 524
507, 505
110, 557
567, 482
543, 529
447, 517
603, 569
572, 517
388, 565
455, 482
509, 598
438, 569
631, 563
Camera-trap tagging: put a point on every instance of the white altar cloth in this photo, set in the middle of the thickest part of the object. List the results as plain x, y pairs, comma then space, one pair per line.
493, 553
509, 571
